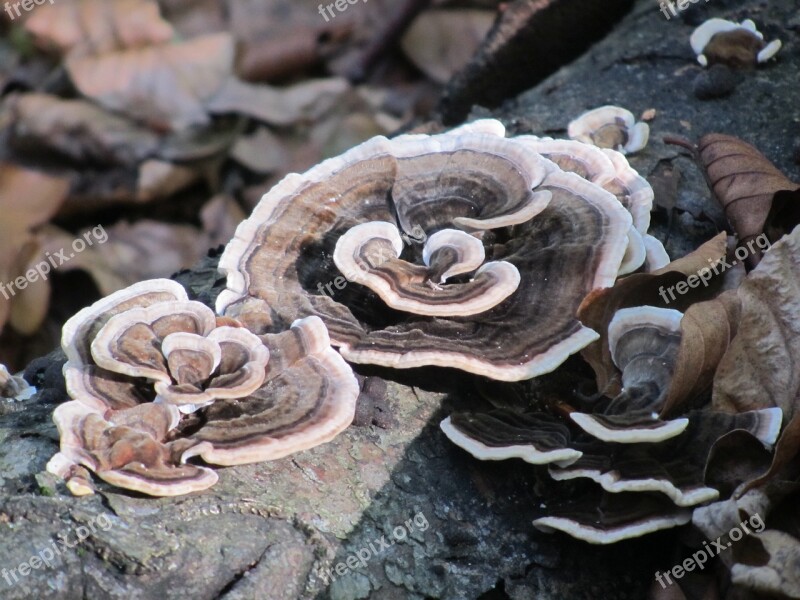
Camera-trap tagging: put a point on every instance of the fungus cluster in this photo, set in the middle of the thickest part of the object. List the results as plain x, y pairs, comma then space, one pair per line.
611, 127
465, 249
651, 468
156, 379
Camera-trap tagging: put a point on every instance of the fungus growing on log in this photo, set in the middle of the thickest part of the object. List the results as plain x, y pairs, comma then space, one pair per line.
610, 170
644, 343
738, 45
156, 379
430, 301
624, 444
610, 127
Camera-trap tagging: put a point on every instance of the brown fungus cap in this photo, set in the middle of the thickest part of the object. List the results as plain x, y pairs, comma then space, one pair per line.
739, 45
157, 379
126, 448
644, 343
610, 170
563, 235
610, 127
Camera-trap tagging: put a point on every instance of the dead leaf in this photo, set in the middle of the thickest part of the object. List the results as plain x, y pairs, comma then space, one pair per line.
302, 102
641, 289
79, 129
744, 182
81, 27
27, 199
780, 574
161, 179
441, 42
261, 152
149, 249
707, 329
220, 217
762, 365
165, 86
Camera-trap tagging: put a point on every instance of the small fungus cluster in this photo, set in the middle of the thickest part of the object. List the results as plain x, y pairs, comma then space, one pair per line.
157, 379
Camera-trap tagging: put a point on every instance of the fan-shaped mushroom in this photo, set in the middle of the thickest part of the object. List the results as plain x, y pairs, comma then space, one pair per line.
610, 170
141, 358
610, 127
644, 343
531, 219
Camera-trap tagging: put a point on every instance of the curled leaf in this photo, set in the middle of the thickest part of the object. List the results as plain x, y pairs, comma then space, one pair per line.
707, 329
27, 199
744, 182
762, 366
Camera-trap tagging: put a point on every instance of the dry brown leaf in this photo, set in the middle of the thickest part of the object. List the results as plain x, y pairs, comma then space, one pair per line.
80, 27
441, 42
784, 463
160, 179
28, 307
302, 102
640, 289
744, 182
27, 199
149, 249
261, 152
165, 86
762, 365
707, 329
79, 129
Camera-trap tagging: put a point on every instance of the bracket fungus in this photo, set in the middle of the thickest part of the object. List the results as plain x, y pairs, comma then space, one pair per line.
501, 246
739, 45
644, 343
623, 444
610, 127
610, 170
156, 379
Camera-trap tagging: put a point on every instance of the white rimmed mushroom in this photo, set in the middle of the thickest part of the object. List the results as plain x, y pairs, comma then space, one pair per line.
644, 343
141, 358
737, 44
369, 254
610, 127
471, 179
542, 451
